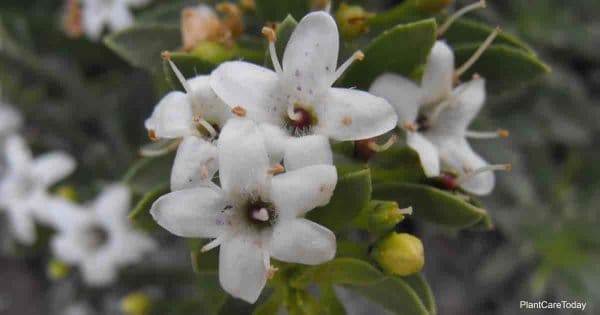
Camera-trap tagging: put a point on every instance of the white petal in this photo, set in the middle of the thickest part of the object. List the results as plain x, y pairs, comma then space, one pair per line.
469, 100
307, 150
457, 153
10, 120
99, 269
348, 114
303, 241
94, 16
23, 226
68, 249
172, 117
121, 17
67, 216
191, 212
195, 164
242, 271
254, 88
310, 58
50, 168
17, 153
439, 73
206, 103
132, 246
402, 93
243, 159
297, 192
113, 204
428, 153
276, 139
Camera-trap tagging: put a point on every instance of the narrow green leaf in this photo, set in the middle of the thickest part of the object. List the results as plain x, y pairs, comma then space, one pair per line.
140, 215
406, 12
273, 304
419, 284
466, 31
402, 49
431, 204
338, 271
518, 67
330, 301
352, 193
283, 32
141, 45
190, 65
351, 249
149, 173
399, 163
277, 10
394, 294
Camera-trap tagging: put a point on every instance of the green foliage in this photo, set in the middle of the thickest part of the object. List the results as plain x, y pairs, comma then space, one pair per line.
140, 215
275, 10
337, 271
330, 300
149, 173
273, 303
465, 31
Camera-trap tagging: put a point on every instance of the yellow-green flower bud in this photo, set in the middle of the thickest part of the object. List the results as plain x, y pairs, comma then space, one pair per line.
385, 216
136, 304
57, 269
215, 52
432, 6
399, 253
353, 20
67, 192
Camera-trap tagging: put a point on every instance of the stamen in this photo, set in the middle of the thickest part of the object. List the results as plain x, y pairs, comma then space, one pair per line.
271, 271
152, 135
261, 215
439, 108
500, 133
276, 169
150, 151
358, 55
212, 244
486, 44
488, 168
270, 34
410, 126
291, 111
167, 57
471, 7
202, 122
408, 211
239, 111
382, 147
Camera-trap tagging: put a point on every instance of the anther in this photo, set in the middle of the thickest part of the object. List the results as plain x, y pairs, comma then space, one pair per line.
485, 45
276, 169
270, 35
212, 244
382, 147
488, 168
152, 135
474, 6
410, 126
239, 111
165, 55
347, 121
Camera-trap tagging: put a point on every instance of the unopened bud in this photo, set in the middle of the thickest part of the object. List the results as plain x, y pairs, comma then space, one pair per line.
353, 20
400, 254
67, 192
385, 216
57, 269
136, 304
432, 6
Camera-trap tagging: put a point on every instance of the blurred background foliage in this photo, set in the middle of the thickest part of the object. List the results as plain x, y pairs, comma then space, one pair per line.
79, 96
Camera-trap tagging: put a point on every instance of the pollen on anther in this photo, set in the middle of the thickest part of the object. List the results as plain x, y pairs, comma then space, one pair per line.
239, 111
276, 169
165, 55
152, 135
359, 55
503, 133
271, 271
269, 33
347, 121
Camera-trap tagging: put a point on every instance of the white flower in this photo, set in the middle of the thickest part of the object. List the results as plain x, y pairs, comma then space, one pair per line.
25, 182
98, 237
436, 117
115, 14
298, 95
254, 215
10, 120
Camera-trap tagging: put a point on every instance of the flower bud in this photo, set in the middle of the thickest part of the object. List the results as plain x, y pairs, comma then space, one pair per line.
57, 269
214, 52
399, 253
67, 192
136, 304
353, 20
385, 216
432, 6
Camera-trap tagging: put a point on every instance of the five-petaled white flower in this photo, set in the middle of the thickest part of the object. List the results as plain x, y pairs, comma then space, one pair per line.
298, 95
25, 182
115, 14
255, 214
436, 117
98, 237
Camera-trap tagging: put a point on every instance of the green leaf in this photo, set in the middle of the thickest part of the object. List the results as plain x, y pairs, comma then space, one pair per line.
337, 271
394, 294
141, 45
465, 31
398, 163
404, 13
149, 173
277, 10
352, 193
518, 67
351, 249
330, 300
418, 283
431, 204
283, 32
273, 304
140, 215
402, 49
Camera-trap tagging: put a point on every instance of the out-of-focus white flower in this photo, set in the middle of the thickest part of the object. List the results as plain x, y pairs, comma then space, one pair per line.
25, 182
298, 98
115, 14
436, 117
255, 214
10, 120
98, 237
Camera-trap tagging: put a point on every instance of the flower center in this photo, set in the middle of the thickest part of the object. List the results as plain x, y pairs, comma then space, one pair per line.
301, 120
422, 123
260, 213
96, 236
